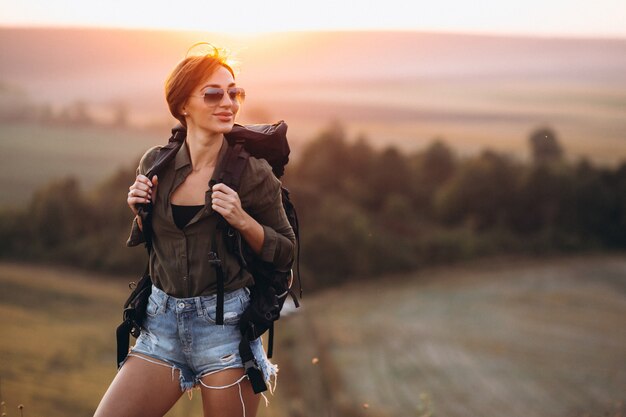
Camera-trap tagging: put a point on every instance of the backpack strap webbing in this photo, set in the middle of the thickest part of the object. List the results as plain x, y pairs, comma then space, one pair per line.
123, 331
235, 161
165, 155
216, 263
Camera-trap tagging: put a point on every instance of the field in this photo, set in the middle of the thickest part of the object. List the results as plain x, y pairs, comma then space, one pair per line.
504, 337
33, 155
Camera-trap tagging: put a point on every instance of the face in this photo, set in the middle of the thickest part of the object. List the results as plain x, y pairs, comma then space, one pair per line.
216, 116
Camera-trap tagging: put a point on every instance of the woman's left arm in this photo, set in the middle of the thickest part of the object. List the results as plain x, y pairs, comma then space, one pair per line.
266, 228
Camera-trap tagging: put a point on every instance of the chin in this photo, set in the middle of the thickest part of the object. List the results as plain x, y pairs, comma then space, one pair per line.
220, 128
226, 128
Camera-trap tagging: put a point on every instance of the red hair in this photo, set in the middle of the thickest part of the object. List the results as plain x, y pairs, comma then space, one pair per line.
189, 73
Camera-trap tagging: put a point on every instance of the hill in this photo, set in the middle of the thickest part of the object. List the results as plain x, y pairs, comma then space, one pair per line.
401, 88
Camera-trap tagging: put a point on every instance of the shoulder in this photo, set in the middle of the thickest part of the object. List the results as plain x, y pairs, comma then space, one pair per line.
258, 182
148, 158
258, 167
259, 172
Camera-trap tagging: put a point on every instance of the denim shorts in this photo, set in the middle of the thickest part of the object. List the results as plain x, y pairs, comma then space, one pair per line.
182, 333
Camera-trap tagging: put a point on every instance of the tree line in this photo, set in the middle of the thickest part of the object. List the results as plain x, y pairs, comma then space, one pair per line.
366, 212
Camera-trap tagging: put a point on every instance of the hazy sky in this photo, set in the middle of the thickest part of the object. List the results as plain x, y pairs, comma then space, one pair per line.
599, 18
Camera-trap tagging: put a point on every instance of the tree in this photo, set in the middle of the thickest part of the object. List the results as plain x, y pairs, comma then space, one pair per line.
545, 146
482, 192
58, 213
431, 169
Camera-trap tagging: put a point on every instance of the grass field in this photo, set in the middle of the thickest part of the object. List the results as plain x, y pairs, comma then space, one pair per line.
517, 338
33, 155
495, 338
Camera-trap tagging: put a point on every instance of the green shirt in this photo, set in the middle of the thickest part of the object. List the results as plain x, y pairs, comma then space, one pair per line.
179, 259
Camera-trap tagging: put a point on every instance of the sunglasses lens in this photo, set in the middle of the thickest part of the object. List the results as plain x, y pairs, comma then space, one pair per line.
213, 95
237, 94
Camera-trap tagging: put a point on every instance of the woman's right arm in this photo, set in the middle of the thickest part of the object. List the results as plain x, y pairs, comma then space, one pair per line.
142, 191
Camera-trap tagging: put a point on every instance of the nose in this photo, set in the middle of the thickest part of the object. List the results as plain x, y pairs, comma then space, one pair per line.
229, 101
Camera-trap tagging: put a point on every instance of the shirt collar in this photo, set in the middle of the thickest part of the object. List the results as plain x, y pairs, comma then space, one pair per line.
183, 158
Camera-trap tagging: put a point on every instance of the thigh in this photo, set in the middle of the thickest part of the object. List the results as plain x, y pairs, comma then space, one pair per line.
141, 389
227, 402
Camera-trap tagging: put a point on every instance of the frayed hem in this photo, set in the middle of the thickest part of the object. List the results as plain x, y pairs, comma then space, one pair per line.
270, 370
185, 386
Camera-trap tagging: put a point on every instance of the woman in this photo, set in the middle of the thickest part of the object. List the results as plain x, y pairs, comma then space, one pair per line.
180, 335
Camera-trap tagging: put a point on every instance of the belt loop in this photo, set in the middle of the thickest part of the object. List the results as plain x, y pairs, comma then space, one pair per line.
164, 301
199, 306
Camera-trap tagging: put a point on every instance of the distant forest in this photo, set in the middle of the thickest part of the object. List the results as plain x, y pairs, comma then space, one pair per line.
365, 212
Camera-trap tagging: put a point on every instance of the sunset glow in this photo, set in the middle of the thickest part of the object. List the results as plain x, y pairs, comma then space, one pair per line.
603, 18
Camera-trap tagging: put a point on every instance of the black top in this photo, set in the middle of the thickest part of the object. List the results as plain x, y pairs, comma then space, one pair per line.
182, 214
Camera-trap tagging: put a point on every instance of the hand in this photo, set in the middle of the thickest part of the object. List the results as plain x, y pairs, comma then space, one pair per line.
225, 201
142, 191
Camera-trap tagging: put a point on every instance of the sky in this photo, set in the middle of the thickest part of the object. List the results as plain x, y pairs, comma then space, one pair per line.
558, 18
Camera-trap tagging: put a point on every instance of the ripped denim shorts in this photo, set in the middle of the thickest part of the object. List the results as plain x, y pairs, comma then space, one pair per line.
182, 333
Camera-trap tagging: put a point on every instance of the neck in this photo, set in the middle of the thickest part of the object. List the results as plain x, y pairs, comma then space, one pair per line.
203, 147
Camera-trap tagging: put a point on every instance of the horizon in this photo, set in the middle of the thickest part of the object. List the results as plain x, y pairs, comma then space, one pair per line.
473, 90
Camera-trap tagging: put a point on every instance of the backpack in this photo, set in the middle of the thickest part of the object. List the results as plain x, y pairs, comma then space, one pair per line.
271, 286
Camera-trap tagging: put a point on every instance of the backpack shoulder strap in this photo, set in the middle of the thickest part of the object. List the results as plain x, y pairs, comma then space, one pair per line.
165, 155
229, 173
232, 166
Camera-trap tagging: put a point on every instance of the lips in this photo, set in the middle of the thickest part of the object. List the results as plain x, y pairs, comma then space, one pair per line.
224, 117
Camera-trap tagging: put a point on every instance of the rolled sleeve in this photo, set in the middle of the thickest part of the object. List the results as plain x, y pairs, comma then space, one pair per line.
270, 240
266, 207
277, 249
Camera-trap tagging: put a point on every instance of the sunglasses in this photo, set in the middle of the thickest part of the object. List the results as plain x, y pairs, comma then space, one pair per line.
215, 95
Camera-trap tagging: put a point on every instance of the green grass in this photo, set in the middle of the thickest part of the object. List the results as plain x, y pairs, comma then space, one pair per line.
33, 155
494, 338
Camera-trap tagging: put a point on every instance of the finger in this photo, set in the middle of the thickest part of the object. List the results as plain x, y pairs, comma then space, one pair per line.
228, 196
226, 201
138, 200
221, 195
223, 188
225, 213
144, 179
140, 186
221, 203
219, 209
223, 208
135, 192
155, 182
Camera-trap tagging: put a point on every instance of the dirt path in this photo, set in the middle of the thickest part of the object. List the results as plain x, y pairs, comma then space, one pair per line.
508, 338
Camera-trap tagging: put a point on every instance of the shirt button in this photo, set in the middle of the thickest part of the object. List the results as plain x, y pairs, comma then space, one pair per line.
185, 278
